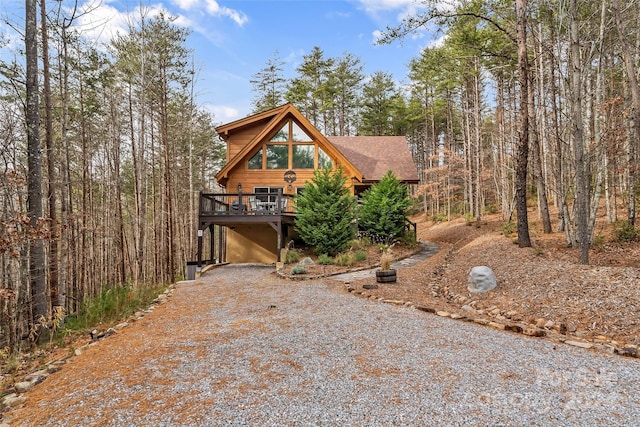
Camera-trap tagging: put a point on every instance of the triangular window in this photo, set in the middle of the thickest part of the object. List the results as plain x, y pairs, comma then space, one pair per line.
298, 135
296, 132
282, 135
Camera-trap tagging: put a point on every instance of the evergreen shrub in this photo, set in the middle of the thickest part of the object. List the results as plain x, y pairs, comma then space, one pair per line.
384, 208
325, 212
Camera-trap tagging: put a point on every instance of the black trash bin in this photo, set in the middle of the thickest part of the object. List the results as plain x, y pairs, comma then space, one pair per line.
191, 270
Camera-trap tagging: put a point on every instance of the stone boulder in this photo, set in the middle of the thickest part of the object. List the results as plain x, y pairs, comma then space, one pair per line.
306, 261
481, 279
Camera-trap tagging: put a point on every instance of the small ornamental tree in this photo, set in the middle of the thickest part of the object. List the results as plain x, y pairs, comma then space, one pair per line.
383, 210
325, 212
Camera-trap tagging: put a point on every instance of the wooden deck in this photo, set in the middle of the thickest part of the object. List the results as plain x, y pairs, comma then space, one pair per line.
234, 208
219, 211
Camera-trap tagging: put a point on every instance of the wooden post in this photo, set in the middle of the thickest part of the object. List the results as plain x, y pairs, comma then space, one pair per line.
279, 211
222, 247
200, 233
279, 232
212, 243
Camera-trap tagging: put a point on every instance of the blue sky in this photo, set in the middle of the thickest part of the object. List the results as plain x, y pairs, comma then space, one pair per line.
232, 40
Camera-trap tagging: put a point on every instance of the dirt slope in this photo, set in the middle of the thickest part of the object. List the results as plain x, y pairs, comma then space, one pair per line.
543, 286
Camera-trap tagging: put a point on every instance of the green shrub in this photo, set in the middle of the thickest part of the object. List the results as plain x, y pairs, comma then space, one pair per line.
509, 228
599, 241
298, 269
112, 304
344, 259
438, 218
625, 232
383, 247
326, 212
292, 256
384, 208
360, 256
324, 259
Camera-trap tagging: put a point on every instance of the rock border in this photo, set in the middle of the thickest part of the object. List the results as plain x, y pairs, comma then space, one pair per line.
14, 396
494, 317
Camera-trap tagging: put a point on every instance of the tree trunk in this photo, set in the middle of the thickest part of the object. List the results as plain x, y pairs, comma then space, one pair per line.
582, 194
34, 178
634, 114
537, 161
523, 141
51, 175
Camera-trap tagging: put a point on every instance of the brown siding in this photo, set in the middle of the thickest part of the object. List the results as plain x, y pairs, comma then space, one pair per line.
252, 243
265, 178
240, 139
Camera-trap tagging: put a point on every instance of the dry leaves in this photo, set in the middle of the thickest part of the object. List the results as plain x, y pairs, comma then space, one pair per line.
542, 282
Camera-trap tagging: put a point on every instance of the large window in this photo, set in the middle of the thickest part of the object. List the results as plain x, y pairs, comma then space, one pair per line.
303, 156
324, 161
267, 194
255, 162
277, 156
282, 135
290, 147
298, 135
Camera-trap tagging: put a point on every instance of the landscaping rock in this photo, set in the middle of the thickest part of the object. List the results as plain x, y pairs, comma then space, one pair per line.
23, 386
37, 377
481, 279
120, 326
13, 399
306, 261
580, 344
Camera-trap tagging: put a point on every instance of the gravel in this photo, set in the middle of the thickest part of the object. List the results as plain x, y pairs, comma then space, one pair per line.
242, 347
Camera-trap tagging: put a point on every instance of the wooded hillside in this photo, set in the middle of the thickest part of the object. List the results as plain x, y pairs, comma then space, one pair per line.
103, 153
124, 150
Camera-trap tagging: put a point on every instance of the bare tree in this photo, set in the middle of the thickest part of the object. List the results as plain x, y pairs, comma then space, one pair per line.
34, 178
523, 144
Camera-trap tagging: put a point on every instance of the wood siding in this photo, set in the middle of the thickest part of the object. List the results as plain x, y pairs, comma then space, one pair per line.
252, 243
240, 139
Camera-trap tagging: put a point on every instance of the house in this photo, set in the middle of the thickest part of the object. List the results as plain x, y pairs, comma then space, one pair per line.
270, 157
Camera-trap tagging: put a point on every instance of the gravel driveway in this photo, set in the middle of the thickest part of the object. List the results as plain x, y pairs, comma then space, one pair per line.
242, 347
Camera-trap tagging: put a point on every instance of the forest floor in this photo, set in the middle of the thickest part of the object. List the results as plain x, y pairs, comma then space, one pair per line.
543, 288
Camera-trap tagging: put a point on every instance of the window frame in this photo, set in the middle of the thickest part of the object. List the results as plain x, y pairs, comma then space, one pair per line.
261, 153
288, 156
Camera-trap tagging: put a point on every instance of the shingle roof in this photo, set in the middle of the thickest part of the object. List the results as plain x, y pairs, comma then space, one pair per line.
375, 155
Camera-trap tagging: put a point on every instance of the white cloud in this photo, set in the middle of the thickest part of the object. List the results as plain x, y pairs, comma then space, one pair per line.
439, 42
223, 113
377, 34
101, 22
187, 4
214, 9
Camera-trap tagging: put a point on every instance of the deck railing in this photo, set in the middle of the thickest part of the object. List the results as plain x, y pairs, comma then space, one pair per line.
214, 204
